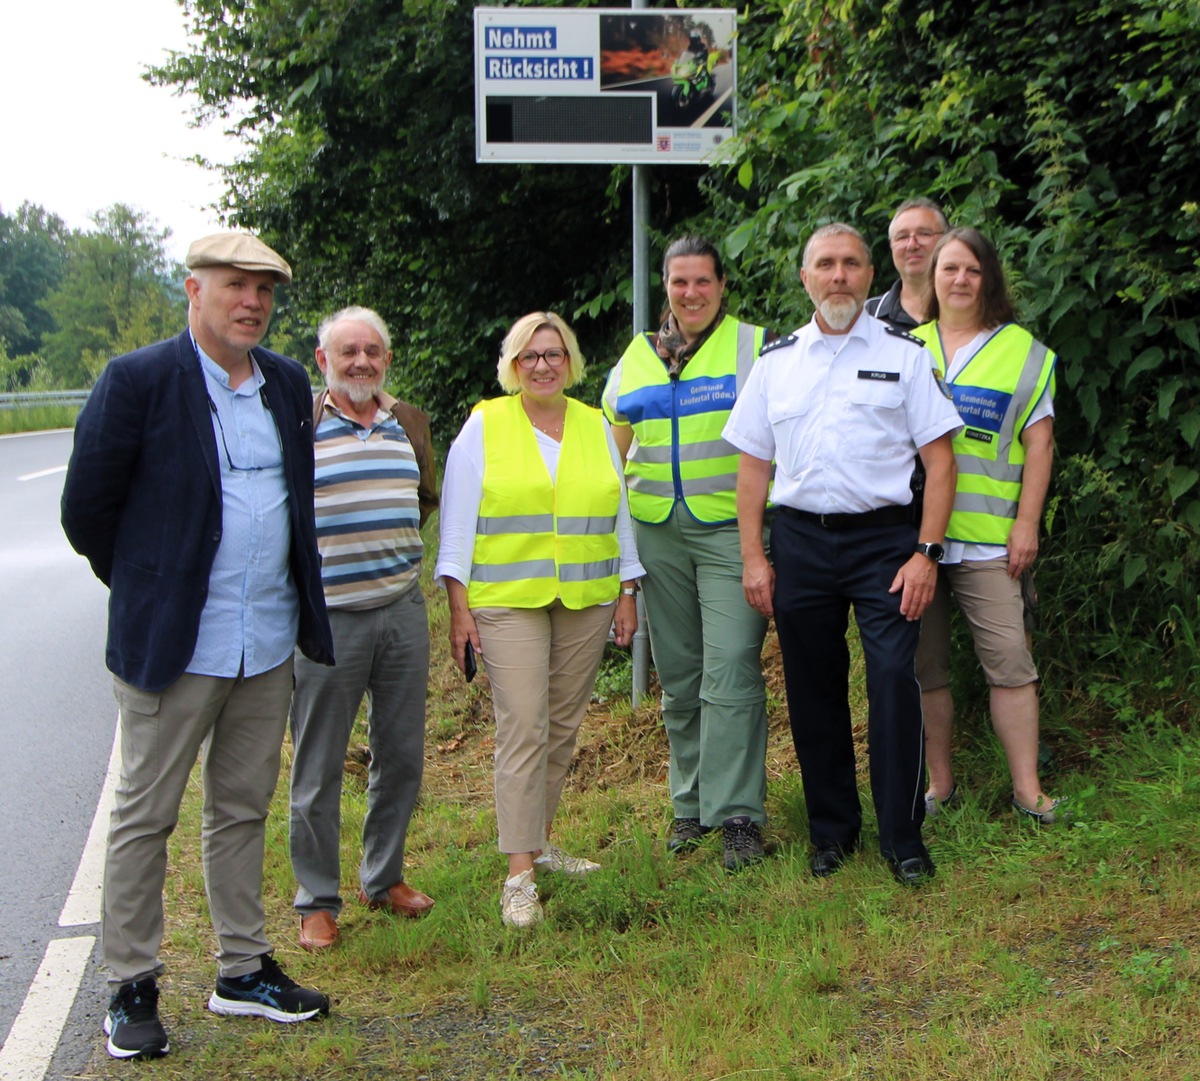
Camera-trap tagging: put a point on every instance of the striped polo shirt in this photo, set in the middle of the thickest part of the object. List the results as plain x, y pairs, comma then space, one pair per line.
366, 506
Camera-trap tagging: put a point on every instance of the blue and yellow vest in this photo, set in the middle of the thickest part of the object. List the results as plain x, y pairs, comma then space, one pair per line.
679, 453
536, 539
995, 395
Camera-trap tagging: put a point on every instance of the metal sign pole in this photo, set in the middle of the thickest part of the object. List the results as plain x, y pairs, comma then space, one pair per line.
641, 321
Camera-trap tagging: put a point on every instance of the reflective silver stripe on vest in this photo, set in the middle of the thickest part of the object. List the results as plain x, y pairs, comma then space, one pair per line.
746, 352
974, 503
588, 572
1026, 385
710, 448
584, 526
983, 467
688, 452
512, 572
722, 482
651, 455
514, 523
665, 489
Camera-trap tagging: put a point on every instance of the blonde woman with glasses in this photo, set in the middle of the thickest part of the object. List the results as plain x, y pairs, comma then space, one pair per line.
538, 560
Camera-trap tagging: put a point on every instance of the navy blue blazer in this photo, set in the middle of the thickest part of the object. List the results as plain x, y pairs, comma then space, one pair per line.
142, 501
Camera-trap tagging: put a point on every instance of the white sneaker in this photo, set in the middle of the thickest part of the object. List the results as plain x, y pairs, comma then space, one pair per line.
519, 901
555, 859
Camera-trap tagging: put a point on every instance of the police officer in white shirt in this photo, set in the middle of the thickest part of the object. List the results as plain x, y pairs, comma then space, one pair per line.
841, 406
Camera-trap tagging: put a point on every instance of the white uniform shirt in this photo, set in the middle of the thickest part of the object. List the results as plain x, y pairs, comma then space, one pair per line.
462, 492
961, 551
842, 426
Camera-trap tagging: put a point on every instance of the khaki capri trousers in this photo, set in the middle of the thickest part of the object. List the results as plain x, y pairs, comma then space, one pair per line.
995, 611
542, 664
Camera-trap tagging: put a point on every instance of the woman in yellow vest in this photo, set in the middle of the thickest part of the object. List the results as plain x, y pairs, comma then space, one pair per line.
668, 400
538, 560
1002, 380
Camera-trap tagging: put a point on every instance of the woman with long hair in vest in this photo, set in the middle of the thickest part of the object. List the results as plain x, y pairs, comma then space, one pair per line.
1002, 379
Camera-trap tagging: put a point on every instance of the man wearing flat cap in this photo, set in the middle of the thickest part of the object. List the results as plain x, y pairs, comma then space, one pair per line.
190, 492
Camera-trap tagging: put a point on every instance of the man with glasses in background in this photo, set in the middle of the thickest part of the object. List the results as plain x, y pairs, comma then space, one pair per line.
190, 492
916, 227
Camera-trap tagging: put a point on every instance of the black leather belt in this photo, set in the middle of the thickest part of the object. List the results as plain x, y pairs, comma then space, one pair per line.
893, 515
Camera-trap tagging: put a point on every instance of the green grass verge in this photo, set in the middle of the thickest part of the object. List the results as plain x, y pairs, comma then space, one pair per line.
1057, 953
37, 419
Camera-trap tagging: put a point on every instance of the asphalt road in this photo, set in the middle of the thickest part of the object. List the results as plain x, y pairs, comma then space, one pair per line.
57, 720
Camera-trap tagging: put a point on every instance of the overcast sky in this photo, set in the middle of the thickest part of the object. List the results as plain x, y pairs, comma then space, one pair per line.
79, 130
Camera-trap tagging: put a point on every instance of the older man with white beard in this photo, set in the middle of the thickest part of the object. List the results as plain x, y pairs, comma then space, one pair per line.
841, 406
375, 486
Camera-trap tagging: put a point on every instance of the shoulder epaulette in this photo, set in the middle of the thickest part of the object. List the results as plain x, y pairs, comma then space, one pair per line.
778, 343
899, 332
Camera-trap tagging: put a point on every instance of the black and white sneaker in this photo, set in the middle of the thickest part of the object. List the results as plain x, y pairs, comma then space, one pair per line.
270, 992
132, 1025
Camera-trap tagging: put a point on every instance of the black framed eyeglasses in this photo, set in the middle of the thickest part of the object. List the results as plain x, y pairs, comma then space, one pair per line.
556, 358
225, 443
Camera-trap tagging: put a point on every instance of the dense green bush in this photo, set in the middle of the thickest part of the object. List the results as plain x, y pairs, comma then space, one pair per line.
1063, 130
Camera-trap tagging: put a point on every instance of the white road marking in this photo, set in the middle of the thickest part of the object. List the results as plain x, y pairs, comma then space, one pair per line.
83, 901
28, 435
44, 473
35, 1033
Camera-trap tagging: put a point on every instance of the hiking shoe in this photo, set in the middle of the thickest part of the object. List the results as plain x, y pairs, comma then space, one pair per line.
555, 859
686, 834
268, 993
743, 842
519, 905
132, 1025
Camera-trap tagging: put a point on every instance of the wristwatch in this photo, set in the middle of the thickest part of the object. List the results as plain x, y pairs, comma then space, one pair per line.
931, 550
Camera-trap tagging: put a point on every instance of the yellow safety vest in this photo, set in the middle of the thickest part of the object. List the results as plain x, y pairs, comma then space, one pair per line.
679, 453
995, 395
536, 539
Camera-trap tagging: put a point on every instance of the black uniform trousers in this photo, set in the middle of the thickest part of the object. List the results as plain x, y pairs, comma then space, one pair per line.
819, 573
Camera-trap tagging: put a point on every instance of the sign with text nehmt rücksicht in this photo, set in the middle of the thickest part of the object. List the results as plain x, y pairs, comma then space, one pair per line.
604, 85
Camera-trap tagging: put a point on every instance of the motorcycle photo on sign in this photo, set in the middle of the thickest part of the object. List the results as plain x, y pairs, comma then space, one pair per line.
693, 71
685, 61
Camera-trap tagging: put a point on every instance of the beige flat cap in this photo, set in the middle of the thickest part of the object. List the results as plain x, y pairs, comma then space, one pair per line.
239, 250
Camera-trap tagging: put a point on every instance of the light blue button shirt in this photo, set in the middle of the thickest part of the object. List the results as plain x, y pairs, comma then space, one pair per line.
252, 614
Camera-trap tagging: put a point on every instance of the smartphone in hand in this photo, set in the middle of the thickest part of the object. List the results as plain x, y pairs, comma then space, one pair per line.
469, 665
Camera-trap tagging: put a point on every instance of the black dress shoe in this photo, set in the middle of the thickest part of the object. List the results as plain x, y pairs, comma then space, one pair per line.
828, 861
914, 871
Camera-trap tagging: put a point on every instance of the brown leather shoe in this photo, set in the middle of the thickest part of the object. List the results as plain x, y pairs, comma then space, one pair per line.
401, 899
318, 931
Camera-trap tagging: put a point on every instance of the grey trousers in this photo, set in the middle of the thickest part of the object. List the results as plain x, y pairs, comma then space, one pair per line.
240, 725
384, 653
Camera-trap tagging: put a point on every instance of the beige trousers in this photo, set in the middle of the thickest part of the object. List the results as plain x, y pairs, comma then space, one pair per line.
239, 724
542, 665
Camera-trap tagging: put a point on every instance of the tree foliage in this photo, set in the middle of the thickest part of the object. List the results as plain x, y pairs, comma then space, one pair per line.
33, 253
1063, 130
361, 117
70, 300
118, 292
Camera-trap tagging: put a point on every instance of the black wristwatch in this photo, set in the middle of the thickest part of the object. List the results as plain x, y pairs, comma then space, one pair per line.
931, 550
